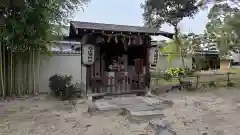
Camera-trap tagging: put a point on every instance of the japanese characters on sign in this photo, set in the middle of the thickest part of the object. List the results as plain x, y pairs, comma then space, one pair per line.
88, 54
153, 55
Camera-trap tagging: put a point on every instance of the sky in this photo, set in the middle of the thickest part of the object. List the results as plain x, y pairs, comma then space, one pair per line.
129, 12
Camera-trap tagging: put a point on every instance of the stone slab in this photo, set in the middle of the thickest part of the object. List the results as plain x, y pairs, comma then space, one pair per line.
145, 113
126, 101
104, 105
151, 100
145, 116
140, 109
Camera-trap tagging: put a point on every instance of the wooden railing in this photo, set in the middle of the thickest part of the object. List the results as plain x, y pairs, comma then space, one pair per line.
199, 80
119, 84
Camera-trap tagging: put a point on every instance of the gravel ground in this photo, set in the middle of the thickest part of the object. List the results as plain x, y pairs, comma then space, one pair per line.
193, 113
45, 116
216, 112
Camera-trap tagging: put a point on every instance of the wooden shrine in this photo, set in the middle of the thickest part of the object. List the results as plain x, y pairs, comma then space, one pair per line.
121, 56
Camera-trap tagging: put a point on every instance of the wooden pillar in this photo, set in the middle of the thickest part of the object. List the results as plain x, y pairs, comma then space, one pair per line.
88, 39
147, 68
126, 83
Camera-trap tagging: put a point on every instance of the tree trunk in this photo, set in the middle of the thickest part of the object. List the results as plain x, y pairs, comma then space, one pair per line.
176, 33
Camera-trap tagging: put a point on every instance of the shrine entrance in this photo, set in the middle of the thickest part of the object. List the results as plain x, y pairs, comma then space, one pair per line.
121, 63
118, 68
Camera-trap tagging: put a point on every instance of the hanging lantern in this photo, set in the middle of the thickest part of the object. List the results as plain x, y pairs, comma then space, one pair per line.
88, 54
153, 55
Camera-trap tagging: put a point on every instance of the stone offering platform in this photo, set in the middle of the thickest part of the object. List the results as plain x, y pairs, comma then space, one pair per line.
138, 108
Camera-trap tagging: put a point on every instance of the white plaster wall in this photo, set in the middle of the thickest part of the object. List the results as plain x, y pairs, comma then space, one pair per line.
176, 62
69, 64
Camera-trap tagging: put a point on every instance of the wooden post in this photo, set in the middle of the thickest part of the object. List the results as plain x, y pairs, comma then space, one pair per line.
125, 63
88, 76
147, 71
228, 79
197, 81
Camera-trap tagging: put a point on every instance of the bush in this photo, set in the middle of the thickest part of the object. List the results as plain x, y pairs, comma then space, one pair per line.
61, 86
175, 72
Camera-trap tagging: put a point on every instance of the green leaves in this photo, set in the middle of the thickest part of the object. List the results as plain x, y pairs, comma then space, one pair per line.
171, 47
222, 26
167, 11
172, 12
30, 25
234, 23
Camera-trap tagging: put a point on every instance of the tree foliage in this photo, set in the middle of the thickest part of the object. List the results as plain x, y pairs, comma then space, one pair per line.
167, 11
171, 12
29, 28
222, 26
30, 25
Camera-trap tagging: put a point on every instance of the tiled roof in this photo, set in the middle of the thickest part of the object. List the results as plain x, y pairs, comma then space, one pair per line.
66, 52
64, 47
118, 28
206, 52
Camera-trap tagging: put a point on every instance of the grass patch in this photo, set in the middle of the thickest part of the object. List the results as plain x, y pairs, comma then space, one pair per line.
235, 69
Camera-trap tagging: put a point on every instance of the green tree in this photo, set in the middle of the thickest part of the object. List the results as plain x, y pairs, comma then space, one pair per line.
190, 42
171, 12
193, 41
219, 30
28, 32
171, 49
234, 23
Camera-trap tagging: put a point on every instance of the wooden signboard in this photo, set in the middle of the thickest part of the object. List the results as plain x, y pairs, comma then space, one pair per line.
139, 66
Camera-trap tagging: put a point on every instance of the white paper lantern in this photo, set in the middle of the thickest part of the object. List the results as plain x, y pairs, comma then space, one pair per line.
88, 54
153, 55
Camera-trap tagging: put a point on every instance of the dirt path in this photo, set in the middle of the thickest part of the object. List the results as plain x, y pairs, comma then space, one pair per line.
216, 112
41, 116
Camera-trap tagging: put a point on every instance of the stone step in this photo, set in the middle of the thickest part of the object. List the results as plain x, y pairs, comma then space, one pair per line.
151, 100
145, 116
146, 113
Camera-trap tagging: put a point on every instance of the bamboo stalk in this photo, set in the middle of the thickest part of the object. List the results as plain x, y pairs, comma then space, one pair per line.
4, 71
27, 75
15, 74
33, 71
10, 74
25, 80
30, 73
1, 72
38, 70
19, 75
7, 73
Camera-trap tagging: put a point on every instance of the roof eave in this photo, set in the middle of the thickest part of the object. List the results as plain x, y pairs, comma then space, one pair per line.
168, 35
157, 33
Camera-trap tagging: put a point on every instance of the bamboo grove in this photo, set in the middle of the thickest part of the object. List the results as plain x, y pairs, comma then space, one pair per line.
26, 32
19, 62
19, 59
19, 72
